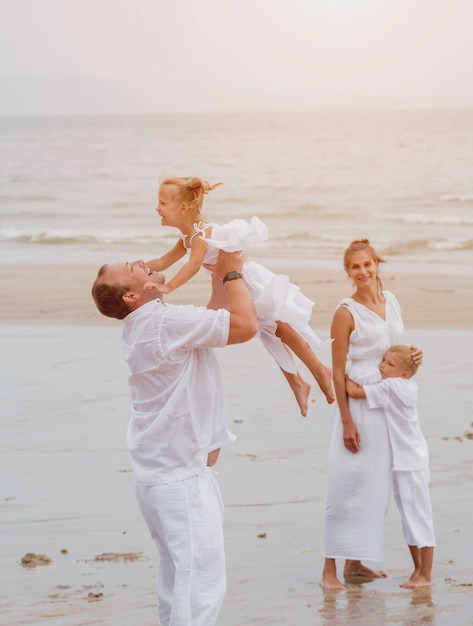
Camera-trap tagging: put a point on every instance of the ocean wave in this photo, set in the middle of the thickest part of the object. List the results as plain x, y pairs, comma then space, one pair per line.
452, 244
458, 197
284, 244
405, 246
29, 197
442, 220
63, 236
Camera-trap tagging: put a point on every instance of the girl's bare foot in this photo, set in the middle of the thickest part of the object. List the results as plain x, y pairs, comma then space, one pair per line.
301, 390
324, 378
356, 568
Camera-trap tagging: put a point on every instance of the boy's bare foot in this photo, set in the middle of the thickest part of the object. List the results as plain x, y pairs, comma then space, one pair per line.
415, 574
414, 583
356, 568
324, 379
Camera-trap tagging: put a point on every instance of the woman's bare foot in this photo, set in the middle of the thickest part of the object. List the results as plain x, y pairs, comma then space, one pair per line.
329, 584
356, 568
414, 583
324, 378
329, 580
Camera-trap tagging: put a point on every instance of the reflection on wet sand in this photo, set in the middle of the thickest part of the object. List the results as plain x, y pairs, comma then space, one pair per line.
365, 605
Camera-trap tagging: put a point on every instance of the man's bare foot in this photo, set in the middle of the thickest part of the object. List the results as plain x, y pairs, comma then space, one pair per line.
331, 583
356, 568
324, 378
420, 581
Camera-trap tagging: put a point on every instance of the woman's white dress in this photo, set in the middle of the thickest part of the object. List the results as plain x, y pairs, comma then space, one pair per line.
359, 485
275, 297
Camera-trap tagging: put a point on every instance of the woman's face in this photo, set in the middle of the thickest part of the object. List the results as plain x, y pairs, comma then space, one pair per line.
362, 269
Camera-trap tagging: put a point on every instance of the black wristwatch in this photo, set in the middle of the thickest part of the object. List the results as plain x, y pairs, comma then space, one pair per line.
232, 276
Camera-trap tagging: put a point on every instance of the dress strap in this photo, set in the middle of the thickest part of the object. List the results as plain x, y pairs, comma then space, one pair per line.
200, 229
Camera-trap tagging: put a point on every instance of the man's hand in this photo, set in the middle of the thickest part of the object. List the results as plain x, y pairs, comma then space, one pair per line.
227, 262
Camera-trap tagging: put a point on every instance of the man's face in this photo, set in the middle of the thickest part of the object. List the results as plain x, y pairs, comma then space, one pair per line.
132, 274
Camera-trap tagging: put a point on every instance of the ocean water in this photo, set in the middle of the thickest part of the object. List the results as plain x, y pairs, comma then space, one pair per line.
83, 189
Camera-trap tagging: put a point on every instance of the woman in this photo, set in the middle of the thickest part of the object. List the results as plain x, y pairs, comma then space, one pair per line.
359, 476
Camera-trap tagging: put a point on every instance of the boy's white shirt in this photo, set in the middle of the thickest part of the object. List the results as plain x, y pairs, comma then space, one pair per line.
398, 398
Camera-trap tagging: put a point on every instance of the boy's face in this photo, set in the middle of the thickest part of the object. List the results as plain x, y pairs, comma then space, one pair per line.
391, 366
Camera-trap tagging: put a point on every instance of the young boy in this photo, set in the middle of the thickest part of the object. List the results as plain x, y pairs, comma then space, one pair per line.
396, 393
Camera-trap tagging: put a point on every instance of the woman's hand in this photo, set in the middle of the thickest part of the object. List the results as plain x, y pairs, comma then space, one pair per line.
417, 355
351, 437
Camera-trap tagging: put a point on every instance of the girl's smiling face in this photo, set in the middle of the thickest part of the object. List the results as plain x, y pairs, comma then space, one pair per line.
169, 208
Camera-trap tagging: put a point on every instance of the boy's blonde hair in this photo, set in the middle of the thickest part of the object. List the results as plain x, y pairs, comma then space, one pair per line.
190, 190
405, 353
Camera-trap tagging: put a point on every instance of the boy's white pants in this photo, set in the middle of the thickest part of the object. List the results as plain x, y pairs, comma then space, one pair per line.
185, 519
411, 492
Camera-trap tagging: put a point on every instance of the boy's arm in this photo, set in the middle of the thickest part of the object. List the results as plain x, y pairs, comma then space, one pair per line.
354, 390
168, 259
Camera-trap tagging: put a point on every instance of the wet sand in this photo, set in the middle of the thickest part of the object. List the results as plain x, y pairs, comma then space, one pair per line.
60, 294
67, 487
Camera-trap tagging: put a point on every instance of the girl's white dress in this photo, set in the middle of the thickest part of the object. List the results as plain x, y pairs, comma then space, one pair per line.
359, 485
275, 297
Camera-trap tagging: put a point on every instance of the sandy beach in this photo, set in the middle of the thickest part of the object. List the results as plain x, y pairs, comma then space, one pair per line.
67, 497
60, 294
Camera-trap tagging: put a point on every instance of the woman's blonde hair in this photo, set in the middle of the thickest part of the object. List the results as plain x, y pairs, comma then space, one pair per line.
363, 245
190, 190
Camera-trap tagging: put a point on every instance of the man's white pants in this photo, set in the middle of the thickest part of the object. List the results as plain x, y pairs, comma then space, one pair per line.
185, 519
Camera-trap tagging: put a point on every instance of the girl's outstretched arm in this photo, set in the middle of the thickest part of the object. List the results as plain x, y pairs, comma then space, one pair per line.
168, 259
189, 269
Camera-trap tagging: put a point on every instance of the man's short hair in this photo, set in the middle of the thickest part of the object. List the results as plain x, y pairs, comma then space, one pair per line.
108, 297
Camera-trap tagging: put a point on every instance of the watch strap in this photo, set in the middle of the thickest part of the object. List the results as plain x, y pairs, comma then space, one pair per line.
231, 276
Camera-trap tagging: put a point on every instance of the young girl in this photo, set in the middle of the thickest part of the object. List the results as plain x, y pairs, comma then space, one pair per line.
283, 312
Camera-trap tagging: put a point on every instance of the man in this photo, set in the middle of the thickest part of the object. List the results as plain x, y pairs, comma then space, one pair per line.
178, 424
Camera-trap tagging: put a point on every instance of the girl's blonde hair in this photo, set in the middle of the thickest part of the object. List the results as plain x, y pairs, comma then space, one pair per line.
190, 190
362, 245
405, 354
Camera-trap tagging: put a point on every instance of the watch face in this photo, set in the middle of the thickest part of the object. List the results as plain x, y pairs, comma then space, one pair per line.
232, 276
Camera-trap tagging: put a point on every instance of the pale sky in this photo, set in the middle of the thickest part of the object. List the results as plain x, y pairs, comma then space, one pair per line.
164, 56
